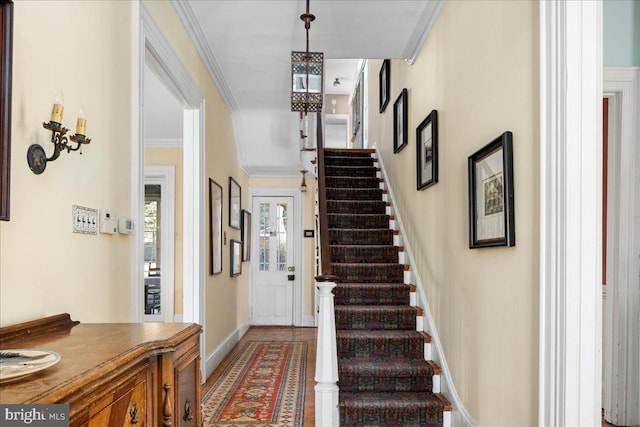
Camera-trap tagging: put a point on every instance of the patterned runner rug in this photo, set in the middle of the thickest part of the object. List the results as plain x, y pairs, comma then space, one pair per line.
263, 386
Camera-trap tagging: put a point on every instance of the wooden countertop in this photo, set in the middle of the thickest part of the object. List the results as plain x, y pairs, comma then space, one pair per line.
88, 352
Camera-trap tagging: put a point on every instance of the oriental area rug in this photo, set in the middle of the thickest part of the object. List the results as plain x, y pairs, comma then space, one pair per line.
263, 386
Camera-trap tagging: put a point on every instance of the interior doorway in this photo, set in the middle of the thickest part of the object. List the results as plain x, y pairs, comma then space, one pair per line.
159, 243
151, 48
336, 131
621, 295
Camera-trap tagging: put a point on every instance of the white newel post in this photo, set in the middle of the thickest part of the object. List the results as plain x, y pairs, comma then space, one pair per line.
326, 360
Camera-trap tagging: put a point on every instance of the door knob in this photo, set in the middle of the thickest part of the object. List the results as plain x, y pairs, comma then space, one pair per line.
291, 269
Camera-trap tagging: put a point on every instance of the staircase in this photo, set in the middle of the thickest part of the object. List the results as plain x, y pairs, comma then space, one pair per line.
385, 377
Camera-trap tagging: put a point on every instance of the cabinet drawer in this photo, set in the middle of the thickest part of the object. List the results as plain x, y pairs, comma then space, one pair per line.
128, 409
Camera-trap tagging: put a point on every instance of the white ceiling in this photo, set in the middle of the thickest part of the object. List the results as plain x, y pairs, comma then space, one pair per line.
247, 44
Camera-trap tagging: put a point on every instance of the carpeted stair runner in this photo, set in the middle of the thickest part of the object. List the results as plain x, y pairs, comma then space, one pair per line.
384, 378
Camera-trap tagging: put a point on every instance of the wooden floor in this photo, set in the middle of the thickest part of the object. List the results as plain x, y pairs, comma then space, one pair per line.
279, 333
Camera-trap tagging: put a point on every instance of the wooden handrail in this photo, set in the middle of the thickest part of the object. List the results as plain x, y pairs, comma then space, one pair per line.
325, 260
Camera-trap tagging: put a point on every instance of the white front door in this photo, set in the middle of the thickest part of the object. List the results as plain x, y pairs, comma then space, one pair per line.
273, 269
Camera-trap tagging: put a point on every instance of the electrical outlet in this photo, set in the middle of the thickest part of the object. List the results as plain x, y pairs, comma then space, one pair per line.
84, 220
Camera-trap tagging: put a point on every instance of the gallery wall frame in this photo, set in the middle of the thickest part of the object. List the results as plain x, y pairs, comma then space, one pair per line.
235, 204
427, 151
236, 258
491, 195
246, 235
6, 60
401, 121
384, 84
357, 108
215, 227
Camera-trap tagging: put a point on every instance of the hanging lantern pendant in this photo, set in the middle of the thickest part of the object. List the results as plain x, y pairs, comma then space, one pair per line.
306, 74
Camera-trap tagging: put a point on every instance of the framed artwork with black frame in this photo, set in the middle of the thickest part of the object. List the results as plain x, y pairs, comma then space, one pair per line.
427, 151
235, 206
491, 199
385, 84
215, 227
236, 258
400, 121
6, 60
246, 235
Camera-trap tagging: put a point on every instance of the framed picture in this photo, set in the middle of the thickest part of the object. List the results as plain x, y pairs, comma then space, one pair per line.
427, 151
385, 84
215, 227
246, 235
234, 204
356, 112
400, 121
236, 258
6, 55
491, 203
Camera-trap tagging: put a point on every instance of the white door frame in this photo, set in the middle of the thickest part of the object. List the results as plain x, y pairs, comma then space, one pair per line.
570, 364
296, 235
621, 400
165, 176
148, 39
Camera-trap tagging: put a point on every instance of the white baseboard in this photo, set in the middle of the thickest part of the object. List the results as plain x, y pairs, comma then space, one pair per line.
217, 356
308, 321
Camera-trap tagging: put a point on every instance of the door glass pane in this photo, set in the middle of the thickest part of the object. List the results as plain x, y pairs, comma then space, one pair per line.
281, 235
265, 230
152, 215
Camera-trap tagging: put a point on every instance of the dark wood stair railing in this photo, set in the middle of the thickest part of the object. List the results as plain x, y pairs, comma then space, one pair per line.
325, 259
326, 375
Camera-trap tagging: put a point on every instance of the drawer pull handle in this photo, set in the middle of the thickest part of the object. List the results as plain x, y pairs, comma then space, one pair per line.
188, 416
133, 413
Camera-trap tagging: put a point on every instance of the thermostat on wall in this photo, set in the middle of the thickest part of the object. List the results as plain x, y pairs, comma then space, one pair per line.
125, 225
108, 223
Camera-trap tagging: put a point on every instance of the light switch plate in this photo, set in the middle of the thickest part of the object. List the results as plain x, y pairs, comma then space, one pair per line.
84, 220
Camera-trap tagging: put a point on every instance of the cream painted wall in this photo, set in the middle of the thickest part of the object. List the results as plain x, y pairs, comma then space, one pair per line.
479, 69
173, 156
308, 244
226, 298
46, 269
342, 104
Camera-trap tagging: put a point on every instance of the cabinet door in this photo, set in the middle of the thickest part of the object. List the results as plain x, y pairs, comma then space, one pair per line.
188, 393
128, 410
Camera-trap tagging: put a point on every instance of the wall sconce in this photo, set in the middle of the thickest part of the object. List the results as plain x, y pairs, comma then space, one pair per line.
37, 158
303, 186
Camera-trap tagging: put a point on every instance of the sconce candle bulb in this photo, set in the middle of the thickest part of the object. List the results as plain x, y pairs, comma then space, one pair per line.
81, 122
58, 107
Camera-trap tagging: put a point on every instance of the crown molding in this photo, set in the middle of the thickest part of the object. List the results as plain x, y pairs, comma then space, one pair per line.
194, 29
429, 15
192, 25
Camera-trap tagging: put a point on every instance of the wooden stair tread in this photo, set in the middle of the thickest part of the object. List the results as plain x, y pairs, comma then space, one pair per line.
436, 368
350, 150
448, 407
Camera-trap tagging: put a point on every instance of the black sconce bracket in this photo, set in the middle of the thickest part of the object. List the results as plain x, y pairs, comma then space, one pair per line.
37, 158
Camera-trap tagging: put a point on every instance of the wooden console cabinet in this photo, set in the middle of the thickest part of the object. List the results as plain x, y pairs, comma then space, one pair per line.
112, 374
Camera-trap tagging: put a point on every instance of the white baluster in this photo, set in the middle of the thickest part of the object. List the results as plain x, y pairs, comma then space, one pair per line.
326, 360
